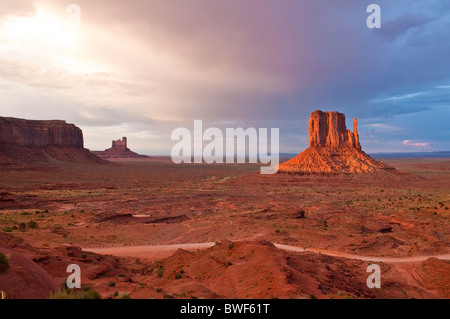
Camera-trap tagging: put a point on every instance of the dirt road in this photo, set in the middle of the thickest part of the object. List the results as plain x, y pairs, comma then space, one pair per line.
162, 251
389, 260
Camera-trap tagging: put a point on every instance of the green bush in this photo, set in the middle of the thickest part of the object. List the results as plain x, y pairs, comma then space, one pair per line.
74, 294
160, 271
92, 294
4, 263
32, 224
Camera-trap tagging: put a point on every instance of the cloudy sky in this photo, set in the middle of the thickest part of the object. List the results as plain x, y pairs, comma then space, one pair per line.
142, 68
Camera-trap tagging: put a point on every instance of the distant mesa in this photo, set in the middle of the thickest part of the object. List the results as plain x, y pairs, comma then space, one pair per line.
26, 142
333, 149
119, 151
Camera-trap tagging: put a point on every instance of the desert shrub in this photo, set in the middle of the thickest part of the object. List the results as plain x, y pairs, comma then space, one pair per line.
32, 224
74, 294
91, 294
22, 226
160, 271
123, 295
64, 294
4, 263
111, 284
178, 276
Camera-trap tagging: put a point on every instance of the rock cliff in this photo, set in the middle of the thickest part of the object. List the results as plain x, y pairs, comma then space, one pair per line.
40, 134
333, 149
26, 142
329, 129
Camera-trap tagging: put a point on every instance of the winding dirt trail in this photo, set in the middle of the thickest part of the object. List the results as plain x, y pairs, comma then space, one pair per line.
389, 260
162, 251
149, 252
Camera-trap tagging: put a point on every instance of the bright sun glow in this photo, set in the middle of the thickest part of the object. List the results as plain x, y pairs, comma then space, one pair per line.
48, 40
44, 29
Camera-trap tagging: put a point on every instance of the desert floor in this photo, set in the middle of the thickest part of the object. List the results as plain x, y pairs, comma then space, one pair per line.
217, 231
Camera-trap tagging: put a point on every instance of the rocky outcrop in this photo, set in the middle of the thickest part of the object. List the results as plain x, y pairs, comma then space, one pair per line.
24, 279
120, 144
119, 151
333, 149
329, 129
39, 134
25, 142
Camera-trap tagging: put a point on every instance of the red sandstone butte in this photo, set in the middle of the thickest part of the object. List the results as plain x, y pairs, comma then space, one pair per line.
328, 129
119, 151
333, 149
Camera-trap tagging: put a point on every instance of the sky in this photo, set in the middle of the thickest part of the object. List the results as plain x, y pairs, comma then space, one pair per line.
143, 68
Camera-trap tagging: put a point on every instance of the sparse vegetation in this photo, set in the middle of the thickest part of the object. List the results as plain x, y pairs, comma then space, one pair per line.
4, 263
160, 271
123, 295
76, 294
32, 224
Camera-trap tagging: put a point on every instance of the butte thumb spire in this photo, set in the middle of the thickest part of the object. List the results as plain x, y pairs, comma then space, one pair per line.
333, 149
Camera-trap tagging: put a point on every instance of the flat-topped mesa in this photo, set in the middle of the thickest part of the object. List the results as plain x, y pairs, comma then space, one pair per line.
24, 143
329, 129
39, 134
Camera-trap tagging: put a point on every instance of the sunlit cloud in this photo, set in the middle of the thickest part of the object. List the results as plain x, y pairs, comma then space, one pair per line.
417, 144
397, 97
158, 65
